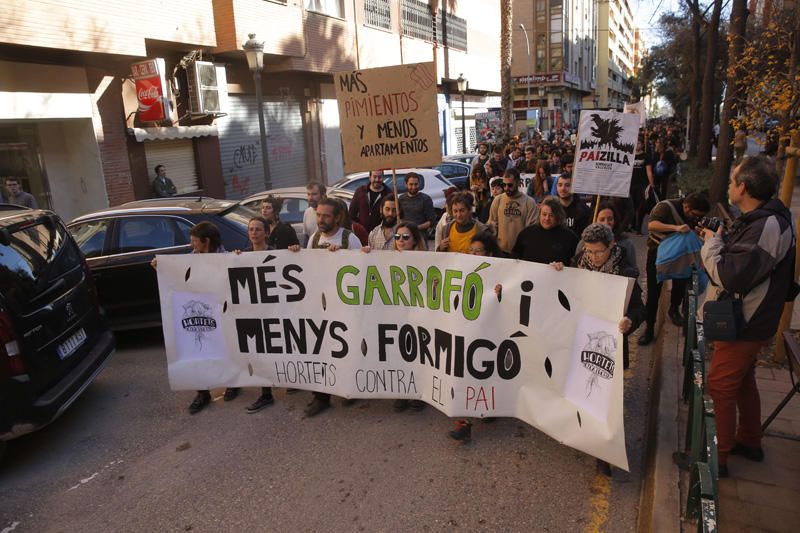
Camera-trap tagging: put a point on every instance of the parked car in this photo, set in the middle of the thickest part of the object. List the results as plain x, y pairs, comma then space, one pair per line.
433, 183
462, 158
295, 203
119, 244
54, 338
456, 172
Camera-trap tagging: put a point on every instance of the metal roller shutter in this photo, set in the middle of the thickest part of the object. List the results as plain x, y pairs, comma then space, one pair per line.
240, 146
178, 157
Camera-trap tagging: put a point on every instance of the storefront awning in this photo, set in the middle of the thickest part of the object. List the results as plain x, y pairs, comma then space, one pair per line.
177, 132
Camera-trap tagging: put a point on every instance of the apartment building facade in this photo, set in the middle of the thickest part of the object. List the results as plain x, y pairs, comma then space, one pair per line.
640, 52
558, 45
615, 52
75, 115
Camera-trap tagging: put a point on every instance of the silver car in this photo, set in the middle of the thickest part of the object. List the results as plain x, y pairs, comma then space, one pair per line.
433, 183
295, 203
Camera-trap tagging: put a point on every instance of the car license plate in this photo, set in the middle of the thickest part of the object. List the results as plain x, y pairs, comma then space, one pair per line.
69, 346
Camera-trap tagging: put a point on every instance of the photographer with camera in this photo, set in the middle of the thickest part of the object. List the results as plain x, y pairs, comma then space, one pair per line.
751, 265
667, 217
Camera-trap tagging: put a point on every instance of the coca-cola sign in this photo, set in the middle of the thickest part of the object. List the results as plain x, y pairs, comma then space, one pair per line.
151, 90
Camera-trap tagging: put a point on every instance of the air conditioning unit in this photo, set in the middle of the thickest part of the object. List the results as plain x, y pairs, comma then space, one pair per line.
207, 88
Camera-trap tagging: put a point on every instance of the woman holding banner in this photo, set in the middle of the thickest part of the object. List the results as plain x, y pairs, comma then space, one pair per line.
484, 245
602, 254
408, 237
607, 214
267, 232
205, 239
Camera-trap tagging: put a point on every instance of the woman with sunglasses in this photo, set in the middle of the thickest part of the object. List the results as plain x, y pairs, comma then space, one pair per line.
407, 237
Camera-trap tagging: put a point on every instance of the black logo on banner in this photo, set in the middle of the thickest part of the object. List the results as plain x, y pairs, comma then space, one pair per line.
598, 358
606, 133
198, 319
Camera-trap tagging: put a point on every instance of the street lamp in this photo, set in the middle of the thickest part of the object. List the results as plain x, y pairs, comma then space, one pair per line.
254, 50
462, 86
528, 47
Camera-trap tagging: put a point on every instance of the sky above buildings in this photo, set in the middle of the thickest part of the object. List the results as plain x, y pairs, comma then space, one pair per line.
646, 14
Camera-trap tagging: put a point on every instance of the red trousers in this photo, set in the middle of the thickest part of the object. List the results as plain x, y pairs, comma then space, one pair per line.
732, 384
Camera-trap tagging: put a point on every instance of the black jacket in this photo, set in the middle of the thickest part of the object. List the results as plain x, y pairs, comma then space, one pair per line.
756, 262
282, 236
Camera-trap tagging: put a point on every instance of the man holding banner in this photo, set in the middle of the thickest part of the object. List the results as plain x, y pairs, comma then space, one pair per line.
332, 236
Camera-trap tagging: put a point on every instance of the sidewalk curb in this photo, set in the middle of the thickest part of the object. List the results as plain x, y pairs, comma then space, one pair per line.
660, 505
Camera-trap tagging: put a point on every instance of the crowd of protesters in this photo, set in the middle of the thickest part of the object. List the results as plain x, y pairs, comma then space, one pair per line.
520, 204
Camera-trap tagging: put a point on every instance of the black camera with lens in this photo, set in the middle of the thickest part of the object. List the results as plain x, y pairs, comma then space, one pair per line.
711, 223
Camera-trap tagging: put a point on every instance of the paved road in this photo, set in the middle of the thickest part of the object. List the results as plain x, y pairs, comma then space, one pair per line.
127, 457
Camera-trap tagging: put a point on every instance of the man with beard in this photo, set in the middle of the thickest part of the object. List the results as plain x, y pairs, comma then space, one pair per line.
511, 211
416, 206
578, 215
382, 237
331, 235
497, 165
667, 217
315, 192
482, 157
365, 205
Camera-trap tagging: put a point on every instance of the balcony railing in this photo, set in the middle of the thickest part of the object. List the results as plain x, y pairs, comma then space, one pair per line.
418, 22
378, 13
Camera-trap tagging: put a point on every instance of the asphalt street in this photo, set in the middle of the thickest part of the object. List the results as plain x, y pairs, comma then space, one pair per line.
128, 457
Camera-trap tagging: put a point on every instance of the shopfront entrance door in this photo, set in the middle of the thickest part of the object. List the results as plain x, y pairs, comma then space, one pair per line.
20, 158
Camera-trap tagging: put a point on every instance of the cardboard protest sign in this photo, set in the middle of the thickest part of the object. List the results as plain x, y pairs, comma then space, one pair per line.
411, 325
605, 156
389, 117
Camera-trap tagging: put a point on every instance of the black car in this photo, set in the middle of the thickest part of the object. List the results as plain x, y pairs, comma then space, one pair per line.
54, 338
119, 244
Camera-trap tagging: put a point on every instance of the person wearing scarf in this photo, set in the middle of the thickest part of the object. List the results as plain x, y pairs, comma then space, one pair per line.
601, 254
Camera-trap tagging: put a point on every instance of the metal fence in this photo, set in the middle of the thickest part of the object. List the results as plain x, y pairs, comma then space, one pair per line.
700, 447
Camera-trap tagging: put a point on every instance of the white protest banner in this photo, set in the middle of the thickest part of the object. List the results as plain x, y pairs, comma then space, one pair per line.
389, 117
412, 325
525, 180
637, 109
605, 154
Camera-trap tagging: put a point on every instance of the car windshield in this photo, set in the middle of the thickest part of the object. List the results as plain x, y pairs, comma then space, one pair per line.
239, 215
